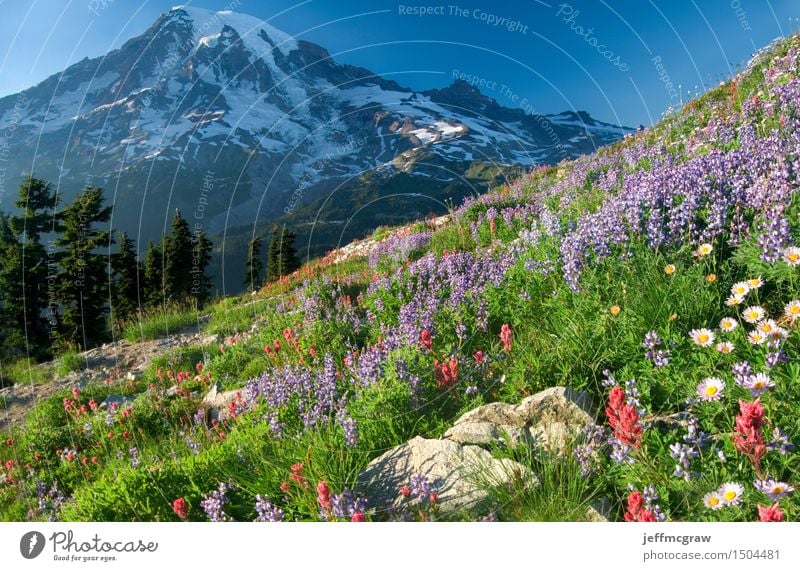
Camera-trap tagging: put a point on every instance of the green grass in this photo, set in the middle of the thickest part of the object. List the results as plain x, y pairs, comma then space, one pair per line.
160, 322
67, 363
25, 371
235, 315
561, 493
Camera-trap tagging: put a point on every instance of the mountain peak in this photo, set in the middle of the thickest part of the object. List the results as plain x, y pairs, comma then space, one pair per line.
207, 25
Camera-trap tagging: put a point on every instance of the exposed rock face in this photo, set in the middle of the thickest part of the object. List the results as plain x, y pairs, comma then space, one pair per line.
459, 474
548, 418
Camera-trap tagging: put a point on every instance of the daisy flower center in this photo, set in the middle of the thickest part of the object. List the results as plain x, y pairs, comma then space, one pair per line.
711, 390
729, 495
713, 501
703, 338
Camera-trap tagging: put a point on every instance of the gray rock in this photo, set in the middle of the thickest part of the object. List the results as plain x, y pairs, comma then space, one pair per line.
549, 418
218, 403
210, 340
460, 475
486, 433
599, 511
119, 400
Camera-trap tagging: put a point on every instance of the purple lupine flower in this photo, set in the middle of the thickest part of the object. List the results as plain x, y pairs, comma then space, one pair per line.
684, 454
420, 486
346, 504
774, 358
593, 437
780, 442
214, 503
620, 452
267, 511
651, 498
742, 372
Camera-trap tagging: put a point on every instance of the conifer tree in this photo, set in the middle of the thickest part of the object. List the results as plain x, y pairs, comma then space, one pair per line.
254, 265
288, 257
274, 255
153, 275
178, 261
127, 279
24, 267
82, 280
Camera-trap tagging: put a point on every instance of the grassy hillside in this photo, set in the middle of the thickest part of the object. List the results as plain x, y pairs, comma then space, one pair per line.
659, 275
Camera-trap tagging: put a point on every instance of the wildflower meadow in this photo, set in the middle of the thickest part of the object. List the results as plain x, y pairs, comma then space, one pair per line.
660, 275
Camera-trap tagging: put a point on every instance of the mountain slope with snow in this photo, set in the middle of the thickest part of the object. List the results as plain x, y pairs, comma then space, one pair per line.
231, 120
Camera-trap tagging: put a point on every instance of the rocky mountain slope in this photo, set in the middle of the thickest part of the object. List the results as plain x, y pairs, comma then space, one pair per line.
231, 120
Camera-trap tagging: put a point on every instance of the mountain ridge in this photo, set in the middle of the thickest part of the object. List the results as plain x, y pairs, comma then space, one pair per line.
272, 119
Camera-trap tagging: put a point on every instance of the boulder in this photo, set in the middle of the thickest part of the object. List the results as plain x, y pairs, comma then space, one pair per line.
460, 475
549, 418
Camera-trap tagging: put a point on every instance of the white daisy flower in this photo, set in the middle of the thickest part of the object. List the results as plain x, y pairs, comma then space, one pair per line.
731, 493
704, 249
725, 347
703, 337
758, 384
753, 314
774, 489
755, 283
713, 500
728, 324
792, 309
740, 289
710, 389
755, 337
791, 255
734, 300
767, 326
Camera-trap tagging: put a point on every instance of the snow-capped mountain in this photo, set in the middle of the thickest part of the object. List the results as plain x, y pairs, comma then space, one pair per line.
229, 119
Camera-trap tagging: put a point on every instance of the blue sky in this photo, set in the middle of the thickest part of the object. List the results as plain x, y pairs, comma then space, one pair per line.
615, 59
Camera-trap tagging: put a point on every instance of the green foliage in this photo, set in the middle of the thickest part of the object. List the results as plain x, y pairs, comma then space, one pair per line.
127, 280
254, 265
178, 261
67, 363
82, 282
160, 321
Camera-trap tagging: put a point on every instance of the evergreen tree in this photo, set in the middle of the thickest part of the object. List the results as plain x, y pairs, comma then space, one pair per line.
82, 282
288, 256
254, 265
274, 255
153, 275
24, 266
201, 256
127, 279
178, 264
